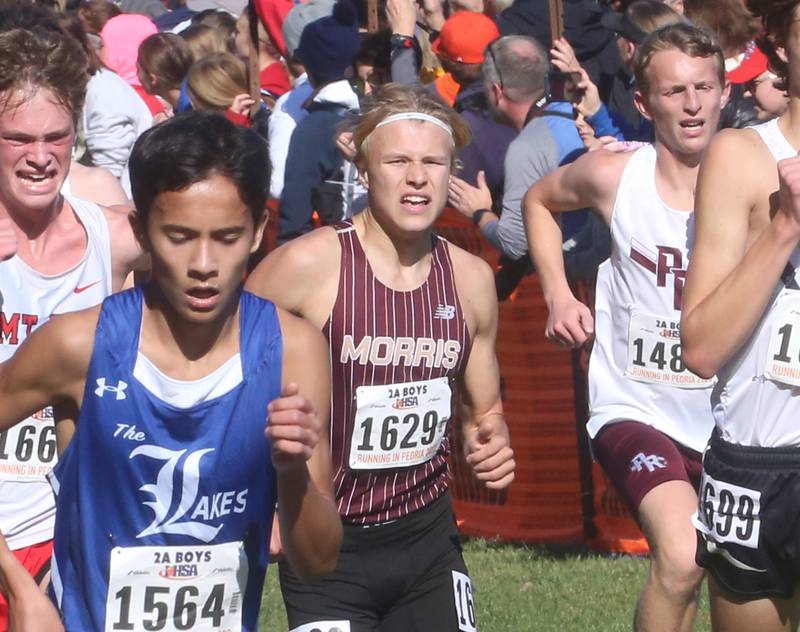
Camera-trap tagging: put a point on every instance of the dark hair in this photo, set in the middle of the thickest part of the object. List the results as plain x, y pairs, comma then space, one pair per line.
776, 16
729, 20
168, 57
222, 21
192, 147
650, 15
26, 15
72, 26
375, 51
44, 59
95, 13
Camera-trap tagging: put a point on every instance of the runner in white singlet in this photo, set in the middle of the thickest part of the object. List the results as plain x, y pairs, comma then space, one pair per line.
650, 416
741, 321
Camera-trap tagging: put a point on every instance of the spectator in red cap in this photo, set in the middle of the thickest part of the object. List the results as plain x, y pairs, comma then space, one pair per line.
274, 79
762, 85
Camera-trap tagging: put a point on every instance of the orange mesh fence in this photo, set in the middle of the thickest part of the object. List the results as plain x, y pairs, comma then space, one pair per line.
544, 502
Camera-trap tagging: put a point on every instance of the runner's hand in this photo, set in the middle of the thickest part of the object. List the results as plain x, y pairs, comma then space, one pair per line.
570, 323
293, 428
490, 454
29, 609
467, 199
8, 239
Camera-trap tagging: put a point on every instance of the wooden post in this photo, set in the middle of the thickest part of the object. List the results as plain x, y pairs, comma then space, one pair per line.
372, 16
253, 67
556, 19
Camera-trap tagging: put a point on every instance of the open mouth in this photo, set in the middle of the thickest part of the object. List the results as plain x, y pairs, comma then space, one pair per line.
415, 202
36, 178
203, 298
692, 124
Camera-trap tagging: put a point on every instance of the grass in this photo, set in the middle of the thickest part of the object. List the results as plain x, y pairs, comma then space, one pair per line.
532, 589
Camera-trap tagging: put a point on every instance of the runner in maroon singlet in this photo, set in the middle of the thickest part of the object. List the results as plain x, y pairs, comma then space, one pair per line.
411, 320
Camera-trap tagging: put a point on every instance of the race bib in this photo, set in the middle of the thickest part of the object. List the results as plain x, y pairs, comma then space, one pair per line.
399, 425
728, 512
171, 588
783, 356
654, 353
28, 450
465, 604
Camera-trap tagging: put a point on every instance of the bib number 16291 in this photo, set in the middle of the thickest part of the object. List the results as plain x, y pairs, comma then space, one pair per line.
399, 425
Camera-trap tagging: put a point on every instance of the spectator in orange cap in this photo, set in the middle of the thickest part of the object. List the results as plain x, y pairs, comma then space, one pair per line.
462, 40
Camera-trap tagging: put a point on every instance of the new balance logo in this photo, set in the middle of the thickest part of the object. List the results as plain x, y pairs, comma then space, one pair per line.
444, 312
651, 462
119, 389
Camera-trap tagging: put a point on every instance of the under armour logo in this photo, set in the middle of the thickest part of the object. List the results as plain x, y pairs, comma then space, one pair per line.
119, 389
651, 462
445, 312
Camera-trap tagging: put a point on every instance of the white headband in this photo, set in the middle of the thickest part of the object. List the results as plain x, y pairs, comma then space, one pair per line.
416, 116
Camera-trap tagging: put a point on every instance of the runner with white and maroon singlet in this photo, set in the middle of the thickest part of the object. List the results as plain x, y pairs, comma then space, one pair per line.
650, 417
58, 255
410, 320
740, 321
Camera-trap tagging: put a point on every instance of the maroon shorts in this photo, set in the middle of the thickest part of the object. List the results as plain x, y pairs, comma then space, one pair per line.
36, 559
637, 457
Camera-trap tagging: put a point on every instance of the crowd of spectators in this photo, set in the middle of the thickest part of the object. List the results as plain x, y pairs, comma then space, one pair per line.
532, 102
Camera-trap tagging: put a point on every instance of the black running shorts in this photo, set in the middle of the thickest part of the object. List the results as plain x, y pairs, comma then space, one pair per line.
748, 522
404, 576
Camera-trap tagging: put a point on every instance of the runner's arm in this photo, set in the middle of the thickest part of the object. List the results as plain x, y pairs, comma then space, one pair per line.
29, 609
589, 182
728, 283
49, 367
126, 252
486, 440
311, 532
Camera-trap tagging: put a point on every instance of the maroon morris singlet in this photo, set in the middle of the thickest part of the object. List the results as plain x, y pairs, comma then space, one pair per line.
395, 357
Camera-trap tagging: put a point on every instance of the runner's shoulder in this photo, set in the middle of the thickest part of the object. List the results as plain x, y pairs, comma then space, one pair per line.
313, 257
474, 279
742, 151
69, 339
302, 341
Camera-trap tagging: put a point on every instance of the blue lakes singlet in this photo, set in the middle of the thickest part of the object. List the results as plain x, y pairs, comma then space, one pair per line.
163, 514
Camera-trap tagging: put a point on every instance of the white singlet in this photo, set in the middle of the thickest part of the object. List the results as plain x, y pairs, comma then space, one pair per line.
757, 399
189, 393
28, 450
635, 369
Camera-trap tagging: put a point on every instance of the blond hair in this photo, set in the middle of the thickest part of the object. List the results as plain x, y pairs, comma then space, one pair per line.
684, 37
214, 81
394, 98
204, 41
